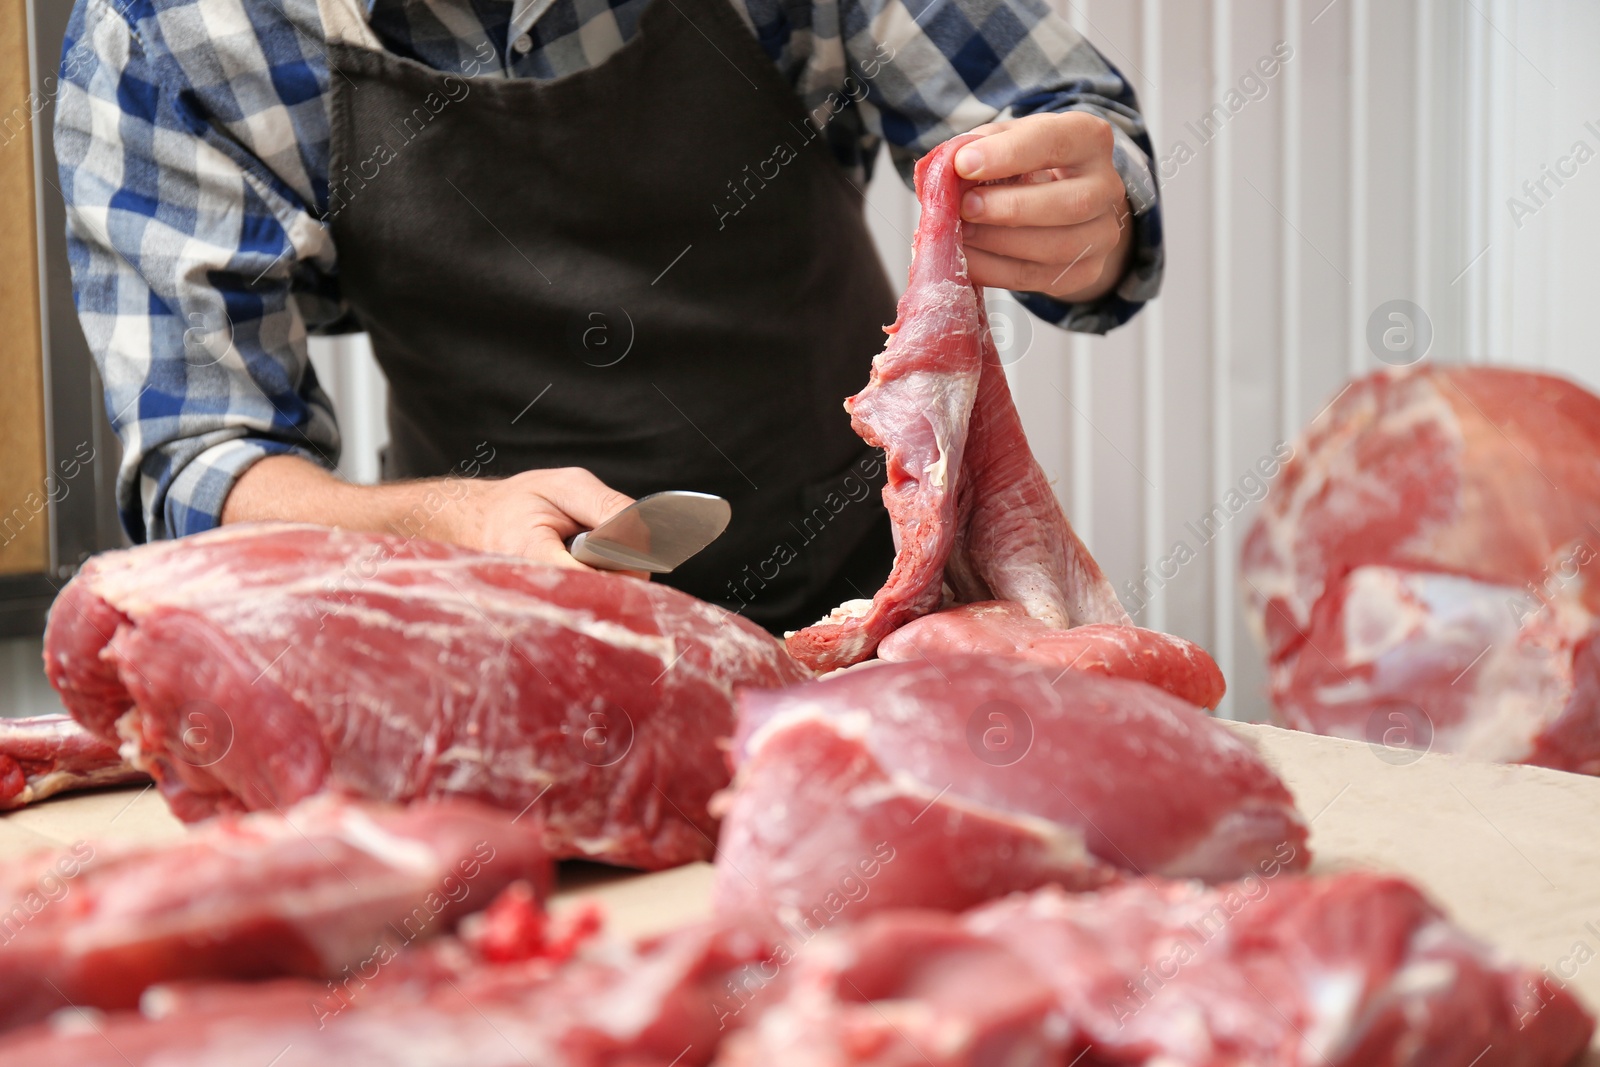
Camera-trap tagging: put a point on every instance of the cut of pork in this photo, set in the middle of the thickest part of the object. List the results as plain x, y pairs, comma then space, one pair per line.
1003, 628
1350, 970
946, 784
1423, 573
251, 666
327, 885
656, 1004
44, 755
915, 406
906, 989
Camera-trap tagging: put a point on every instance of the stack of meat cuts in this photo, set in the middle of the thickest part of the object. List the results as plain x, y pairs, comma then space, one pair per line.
252, 666
1030, 741
1424, 572
1276, 970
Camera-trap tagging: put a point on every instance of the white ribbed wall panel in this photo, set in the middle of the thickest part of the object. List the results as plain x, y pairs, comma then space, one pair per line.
1376, 165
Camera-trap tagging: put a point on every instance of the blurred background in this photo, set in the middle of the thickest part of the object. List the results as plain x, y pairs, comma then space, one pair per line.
1435, 160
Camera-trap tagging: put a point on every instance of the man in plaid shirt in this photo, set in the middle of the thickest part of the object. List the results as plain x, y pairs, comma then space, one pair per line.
493, 189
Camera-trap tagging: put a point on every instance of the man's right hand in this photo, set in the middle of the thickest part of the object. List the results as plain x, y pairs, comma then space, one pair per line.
530, 514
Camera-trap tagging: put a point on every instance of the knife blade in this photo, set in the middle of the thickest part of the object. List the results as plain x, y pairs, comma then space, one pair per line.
655, 533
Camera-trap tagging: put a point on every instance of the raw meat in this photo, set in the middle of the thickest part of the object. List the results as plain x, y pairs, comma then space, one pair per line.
915, 406
1353, 970
49, 754
1423, 573
906, 989
1015, 541
946, 784
1003, 628
970, 505
650, 1005
251, 666
328, 885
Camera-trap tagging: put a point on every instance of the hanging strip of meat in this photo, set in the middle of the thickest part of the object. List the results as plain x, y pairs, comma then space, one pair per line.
916, 407
970, 505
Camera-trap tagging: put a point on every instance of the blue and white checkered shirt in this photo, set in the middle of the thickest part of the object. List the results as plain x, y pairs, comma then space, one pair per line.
193, 138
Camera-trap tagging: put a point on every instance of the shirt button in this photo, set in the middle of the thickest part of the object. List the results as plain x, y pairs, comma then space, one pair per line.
522, 45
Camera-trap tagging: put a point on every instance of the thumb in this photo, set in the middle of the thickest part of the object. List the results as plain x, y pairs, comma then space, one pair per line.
545, 545
581, 495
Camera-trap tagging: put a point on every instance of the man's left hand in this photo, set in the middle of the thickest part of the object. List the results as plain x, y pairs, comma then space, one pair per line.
1061, 224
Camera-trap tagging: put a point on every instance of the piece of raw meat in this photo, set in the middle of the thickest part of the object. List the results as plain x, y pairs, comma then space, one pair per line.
946, 784
327, 885
1423, 572
251, 666
1015, 542
662, 1003
44, 755
1003, 628
970, 505
1349, 970
906, 989
915, 406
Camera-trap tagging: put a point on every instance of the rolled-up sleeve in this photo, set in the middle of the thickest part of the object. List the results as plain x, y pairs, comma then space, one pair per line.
190, 264
937, 68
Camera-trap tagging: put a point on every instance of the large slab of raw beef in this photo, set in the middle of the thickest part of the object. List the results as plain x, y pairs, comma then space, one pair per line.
252, 666
328, 885
1353, 970
1004, 628
1424, 572
969, 504
44, 755
946, 784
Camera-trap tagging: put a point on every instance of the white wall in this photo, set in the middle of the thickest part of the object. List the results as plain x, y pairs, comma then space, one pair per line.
1376, 165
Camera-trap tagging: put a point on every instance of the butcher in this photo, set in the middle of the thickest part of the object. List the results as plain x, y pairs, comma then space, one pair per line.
601, 249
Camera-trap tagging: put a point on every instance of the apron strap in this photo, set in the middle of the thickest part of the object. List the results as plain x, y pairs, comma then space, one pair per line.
345, 22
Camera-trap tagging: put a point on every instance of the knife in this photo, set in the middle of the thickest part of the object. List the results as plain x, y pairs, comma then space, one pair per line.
655, 533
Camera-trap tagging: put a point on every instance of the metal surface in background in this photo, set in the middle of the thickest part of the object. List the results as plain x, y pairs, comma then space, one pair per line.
655, 533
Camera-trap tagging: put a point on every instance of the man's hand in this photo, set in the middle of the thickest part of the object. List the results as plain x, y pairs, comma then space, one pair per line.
530, 514
1060, 225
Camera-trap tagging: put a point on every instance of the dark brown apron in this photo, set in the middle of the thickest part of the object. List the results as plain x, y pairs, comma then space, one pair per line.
653, 269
